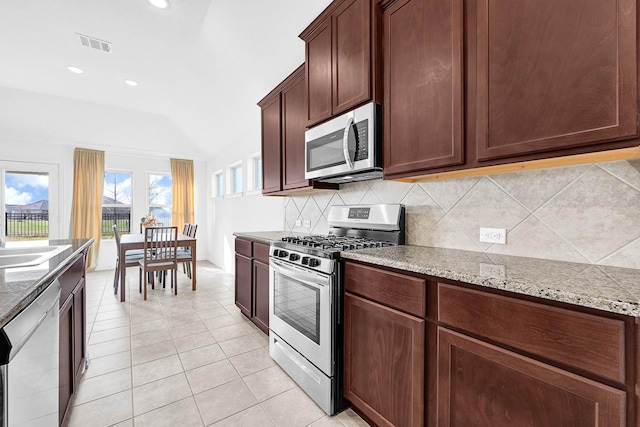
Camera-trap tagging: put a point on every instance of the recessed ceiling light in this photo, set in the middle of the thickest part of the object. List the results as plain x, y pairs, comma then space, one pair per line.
131, 82
75, 69
160, 4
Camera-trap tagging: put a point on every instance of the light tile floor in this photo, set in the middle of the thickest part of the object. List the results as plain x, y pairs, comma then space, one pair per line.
186, 360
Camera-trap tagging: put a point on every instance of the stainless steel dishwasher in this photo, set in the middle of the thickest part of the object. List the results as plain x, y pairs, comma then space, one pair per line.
29, 346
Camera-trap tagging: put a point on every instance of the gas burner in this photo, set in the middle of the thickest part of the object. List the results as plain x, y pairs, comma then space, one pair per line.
334, 242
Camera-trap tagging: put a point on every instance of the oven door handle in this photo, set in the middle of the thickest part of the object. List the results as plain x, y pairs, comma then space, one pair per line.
311, 279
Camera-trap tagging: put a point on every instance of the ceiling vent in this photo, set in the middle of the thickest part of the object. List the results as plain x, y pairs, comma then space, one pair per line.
95, 43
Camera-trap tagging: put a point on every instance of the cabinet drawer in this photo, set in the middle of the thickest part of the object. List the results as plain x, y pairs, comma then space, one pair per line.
584, 341
244, 247
70, 278
261, 252
395, 290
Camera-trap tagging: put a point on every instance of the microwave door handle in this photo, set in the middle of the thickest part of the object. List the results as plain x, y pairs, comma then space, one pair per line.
345, 143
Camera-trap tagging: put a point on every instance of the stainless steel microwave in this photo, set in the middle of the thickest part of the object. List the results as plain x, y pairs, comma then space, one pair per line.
347, 148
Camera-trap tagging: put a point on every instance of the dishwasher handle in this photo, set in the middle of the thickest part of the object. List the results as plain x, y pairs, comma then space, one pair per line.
18, 330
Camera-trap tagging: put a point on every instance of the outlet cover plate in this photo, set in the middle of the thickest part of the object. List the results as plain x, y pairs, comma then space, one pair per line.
306, 223
497, 271
493, 235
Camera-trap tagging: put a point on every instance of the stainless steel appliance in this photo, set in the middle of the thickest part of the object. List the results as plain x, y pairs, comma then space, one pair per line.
306, 294
347, 148
29, 368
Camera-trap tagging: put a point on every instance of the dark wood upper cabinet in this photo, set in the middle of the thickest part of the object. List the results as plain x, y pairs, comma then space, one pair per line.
423, 85
283, 127
554, 74
493, 82
340, 56
271, 154
293, 128
318, 75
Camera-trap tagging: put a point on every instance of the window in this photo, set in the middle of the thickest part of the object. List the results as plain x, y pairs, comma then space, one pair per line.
217, 184
160, 197
236, 179
254, 173
116, 203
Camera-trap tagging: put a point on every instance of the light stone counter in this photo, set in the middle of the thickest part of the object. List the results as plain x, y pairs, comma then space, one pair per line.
19, 286
611, 289
262, 236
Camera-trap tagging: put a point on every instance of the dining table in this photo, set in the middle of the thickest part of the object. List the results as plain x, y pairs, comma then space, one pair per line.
136, 241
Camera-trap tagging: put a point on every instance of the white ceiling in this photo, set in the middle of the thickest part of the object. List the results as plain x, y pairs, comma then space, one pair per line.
201, 66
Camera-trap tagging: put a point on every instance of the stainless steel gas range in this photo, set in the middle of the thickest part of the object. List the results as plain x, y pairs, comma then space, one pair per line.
306, 294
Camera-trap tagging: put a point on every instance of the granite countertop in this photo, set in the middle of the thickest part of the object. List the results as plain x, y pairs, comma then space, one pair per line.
19, 286
612, 289
262, 236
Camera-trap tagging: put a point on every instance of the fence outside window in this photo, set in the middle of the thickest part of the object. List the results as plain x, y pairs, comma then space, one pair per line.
35, 225
26, 225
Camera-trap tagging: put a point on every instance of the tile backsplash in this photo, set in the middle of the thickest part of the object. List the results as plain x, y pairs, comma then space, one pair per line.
586, 213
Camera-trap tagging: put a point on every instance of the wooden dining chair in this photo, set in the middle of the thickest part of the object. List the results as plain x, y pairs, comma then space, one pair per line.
131, 259
160, 254
184, 254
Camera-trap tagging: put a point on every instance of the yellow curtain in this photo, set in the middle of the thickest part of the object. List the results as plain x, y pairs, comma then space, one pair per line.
182, 188
86, 209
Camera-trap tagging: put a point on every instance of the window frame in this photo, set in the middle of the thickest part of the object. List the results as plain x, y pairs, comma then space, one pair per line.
216, 179
118, 205
231, 175
254, 174
151, 206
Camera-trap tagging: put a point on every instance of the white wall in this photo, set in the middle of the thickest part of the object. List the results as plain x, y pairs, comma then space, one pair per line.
248, 212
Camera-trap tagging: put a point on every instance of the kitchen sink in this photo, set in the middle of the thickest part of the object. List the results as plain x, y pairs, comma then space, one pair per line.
27, 256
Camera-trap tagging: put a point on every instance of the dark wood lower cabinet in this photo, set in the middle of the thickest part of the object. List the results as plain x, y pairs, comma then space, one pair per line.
244, 284
484, 385
67, 383
384, 362
72, 330
261, 295
252, 281
482, 357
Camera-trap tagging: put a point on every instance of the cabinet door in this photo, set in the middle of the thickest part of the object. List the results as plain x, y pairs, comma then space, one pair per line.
65, 359
351, 58
423, 89
243, 284
318, 73
261, 296
271, 156
383, 362
554, 74
293, 128
79, 328
483, 385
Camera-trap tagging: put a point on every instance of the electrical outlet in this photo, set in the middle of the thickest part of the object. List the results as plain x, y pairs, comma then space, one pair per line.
493, 235
306, 223
493, 270
298, 223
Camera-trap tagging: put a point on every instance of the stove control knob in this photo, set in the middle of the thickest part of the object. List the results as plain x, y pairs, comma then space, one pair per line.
305, 260
294, 257
283, 254
313, 262
276, 252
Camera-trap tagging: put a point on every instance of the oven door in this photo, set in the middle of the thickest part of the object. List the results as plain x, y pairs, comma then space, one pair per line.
301, 311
